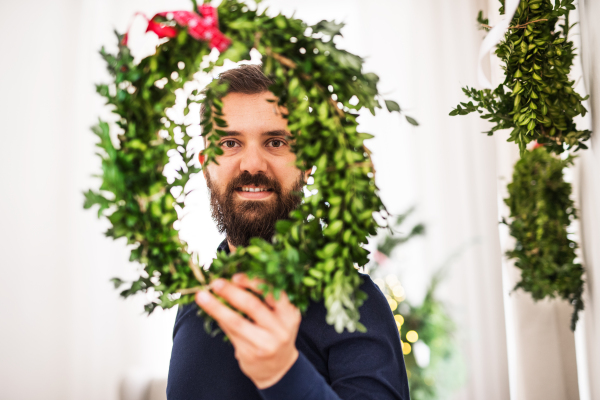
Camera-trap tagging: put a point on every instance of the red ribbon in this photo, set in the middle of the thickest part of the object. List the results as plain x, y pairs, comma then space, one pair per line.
201, 27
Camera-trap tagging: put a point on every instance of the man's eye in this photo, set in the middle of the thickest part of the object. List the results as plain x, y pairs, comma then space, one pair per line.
229, 143
276, 143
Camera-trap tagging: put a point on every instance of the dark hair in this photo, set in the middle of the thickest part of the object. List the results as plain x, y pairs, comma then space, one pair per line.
246, 79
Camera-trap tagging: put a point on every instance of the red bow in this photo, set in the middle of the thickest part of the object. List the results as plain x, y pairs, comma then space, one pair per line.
205, 27
536, 145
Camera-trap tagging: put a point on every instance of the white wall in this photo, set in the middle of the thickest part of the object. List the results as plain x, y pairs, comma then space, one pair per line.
34, 289
589, 199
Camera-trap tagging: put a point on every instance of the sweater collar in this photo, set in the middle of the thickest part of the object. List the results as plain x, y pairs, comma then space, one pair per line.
224, 246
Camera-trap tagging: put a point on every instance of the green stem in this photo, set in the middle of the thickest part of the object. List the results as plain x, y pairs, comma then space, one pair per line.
566, 27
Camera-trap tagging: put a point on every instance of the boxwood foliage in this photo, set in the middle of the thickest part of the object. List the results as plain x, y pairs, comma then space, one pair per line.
541, 211
315, 254
537, 100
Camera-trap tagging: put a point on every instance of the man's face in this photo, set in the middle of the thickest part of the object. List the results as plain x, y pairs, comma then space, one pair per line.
253, 186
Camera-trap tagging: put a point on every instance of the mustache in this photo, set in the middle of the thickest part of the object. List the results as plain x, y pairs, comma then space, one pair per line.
260, 179
242, 220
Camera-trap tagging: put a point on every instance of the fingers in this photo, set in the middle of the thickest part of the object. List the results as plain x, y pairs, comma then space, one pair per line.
284, 310
246, 302
233, 324
242, 280
257, 285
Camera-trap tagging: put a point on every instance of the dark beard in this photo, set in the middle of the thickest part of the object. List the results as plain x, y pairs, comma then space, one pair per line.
245, 219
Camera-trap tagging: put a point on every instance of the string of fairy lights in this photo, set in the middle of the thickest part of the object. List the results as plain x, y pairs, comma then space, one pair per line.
395, 294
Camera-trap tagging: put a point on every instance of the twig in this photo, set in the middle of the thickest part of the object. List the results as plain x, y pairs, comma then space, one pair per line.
197, 272
527, 23
521, 26
190, 290
282, 60
553, 138
257, 37
340, 112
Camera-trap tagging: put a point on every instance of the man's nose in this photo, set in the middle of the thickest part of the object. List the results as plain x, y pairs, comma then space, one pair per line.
253, 160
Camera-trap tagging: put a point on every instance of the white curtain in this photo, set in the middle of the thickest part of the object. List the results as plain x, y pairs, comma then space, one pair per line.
588, 182
66, 333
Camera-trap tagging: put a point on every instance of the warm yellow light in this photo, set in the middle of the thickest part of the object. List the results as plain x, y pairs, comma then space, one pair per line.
391, 279
412, 336
406, 348
399, 320
393, 304
398, 291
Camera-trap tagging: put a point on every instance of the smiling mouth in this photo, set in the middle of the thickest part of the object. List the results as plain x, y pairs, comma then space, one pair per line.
252, 192
252, 189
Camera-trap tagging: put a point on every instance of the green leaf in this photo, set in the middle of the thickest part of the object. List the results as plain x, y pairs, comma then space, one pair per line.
330, 28
412, 121
334, 228
117, 282
392, 106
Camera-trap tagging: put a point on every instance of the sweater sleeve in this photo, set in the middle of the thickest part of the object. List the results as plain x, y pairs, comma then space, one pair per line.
365, 366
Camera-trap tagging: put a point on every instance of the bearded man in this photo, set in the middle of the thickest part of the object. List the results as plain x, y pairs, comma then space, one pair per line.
275, 354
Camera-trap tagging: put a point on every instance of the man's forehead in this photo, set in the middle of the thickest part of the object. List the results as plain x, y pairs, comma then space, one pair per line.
242, 102
252, 113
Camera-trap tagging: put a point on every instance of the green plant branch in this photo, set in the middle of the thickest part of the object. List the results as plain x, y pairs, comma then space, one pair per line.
314, 253
537, 101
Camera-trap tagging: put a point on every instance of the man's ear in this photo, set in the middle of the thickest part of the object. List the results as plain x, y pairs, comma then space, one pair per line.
307, 174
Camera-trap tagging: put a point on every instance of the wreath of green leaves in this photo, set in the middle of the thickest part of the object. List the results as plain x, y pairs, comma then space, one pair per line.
541, 211
537, 58
315, 254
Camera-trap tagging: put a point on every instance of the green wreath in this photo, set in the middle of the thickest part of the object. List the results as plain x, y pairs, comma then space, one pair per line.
541, 211
315, 254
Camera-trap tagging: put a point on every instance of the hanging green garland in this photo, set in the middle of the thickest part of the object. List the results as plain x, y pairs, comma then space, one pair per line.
314, 255
537, 101
541, 211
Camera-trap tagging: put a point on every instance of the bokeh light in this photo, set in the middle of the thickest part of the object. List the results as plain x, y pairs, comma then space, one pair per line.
406, 348
393, 304
399, 320
412, 336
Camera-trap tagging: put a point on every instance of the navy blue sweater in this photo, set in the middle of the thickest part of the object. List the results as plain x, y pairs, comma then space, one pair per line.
330, 366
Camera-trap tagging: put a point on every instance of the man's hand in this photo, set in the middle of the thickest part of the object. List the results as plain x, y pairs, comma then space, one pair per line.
264, 347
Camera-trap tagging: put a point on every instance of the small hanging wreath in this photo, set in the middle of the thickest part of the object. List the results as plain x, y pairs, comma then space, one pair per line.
541, 211
313, 255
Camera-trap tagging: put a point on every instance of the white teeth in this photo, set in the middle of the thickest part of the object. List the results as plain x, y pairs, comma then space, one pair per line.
246, 189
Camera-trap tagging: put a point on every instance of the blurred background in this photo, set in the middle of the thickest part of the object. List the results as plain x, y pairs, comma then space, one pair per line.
67, 335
